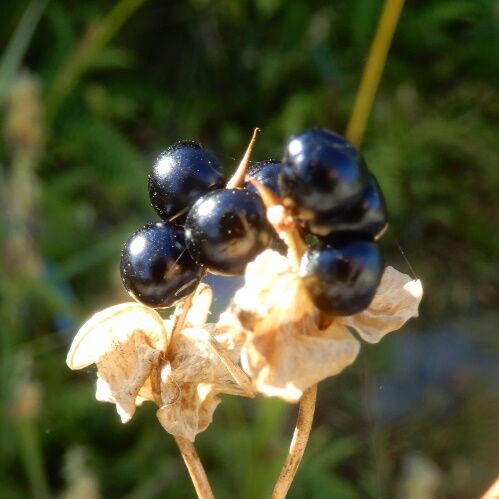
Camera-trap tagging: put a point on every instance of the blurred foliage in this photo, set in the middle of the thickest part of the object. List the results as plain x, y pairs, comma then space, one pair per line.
91, 91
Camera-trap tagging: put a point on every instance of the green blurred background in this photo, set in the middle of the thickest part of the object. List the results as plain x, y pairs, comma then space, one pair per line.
91, 91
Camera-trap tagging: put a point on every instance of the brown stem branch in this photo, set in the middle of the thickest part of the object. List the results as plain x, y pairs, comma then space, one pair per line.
298, 443
285, 225
196, 470
187, 449
180, 315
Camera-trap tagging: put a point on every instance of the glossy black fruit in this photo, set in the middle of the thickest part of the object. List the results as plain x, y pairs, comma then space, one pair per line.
267, 173
322, 175
180, 175
156, 268
342, 280
367, 217
226, 229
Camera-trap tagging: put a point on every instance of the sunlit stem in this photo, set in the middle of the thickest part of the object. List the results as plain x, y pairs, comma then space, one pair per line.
285, 225
239, 175
373, 70
196, 470
180, 315
187, 449
298, 443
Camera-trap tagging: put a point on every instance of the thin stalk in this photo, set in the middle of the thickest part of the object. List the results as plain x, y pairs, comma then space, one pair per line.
181, 315
187, 449
196, 470
286, 227
305, 417
355, 131
373, 70
298, 443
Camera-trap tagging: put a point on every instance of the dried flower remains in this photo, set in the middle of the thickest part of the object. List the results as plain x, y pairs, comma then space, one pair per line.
137, 360
284, 344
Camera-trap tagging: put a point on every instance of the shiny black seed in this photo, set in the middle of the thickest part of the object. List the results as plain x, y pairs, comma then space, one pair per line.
226, 229
156, 268
180, 175
267, 174
322, 174
342, 279
367, 217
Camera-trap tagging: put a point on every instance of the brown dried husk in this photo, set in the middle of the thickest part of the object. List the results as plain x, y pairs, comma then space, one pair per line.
129, 343
274, 324
395, 302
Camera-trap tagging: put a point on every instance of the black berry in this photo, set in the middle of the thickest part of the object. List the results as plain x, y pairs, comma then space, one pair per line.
180, 175
226, 229
343, 279
322, 175
367, 217
267, 174
156, 268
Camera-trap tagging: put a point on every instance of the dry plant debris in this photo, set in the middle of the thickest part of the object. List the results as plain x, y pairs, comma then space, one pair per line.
284, 348
129, 343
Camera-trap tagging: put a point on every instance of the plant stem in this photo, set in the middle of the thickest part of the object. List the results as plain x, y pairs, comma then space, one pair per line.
298, 443
287, 229
180, 316
373, 70
187, 449
355, 132
196, 470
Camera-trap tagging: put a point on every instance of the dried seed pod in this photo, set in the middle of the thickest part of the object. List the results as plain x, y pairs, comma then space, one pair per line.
284, 347
138, 359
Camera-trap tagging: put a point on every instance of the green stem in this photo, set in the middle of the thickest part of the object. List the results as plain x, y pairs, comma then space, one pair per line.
373, 70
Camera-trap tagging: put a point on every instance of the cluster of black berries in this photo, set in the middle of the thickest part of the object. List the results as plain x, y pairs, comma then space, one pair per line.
205, 226
325, 182
322, 179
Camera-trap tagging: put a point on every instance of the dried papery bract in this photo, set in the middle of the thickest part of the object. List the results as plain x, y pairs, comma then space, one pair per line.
125, 342
395, 302
283, 348
137, 359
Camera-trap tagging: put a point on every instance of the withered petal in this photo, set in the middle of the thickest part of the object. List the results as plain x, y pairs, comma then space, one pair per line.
197, 357
125, 370
396, 301
111, 326
286, 363
191, 412
284, 351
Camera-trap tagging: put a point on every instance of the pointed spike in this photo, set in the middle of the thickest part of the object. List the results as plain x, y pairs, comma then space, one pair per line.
239, 175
